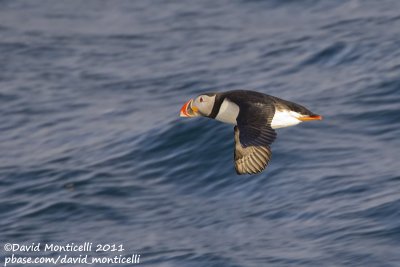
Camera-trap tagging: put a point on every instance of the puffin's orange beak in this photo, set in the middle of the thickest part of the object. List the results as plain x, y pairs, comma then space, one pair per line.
311, 118
188, 110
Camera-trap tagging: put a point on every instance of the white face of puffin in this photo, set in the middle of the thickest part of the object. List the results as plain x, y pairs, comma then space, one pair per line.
200, 106
204, 104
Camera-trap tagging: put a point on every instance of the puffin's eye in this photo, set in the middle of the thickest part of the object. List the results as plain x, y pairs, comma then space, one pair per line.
201, 99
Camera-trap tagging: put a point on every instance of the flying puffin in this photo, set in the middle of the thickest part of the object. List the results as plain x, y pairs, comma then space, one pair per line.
255, 116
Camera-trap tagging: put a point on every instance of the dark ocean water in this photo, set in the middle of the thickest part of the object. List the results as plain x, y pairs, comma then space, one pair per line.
92, 147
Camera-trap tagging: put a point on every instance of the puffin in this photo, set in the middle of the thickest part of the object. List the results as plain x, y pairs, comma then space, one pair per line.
255, 116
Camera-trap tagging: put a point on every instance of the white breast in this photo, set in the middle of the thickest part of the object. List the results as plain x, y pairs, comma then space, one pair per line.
284, 118
228, 112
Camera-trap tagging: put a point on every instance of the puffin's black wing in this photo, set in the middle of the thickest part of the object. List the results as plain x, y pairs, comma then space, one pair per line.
251, 159
253, 135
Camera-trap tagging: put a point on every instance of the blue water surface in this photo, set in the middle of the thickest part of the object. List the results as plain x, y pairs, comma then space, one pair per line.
92, 148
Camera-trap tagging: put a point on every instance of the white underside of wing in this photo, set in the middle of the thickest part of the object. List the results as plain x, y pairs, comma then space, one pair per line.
284, 118
228, 112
